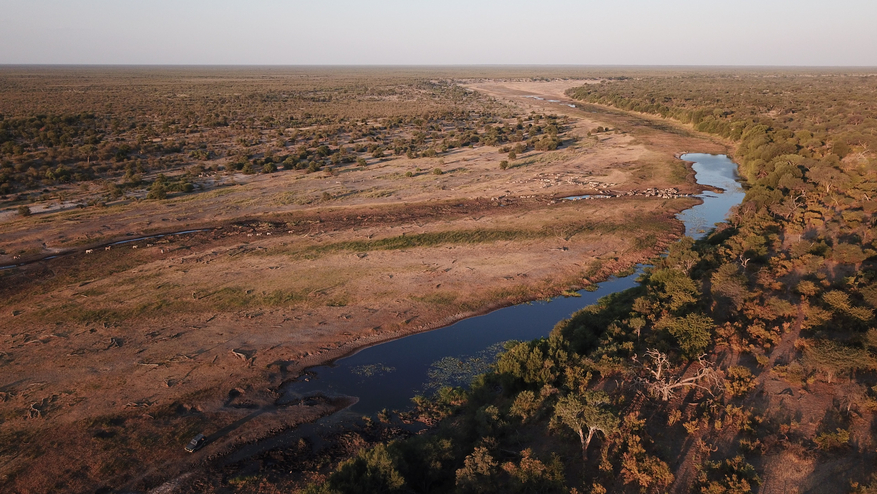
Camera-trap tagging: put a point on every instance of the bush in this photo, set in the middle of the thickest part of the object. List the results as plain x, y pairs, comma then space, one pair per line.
828, 441
157, 191
738, 380
503, 165
437, 171
372, 470
23, 210
731, 476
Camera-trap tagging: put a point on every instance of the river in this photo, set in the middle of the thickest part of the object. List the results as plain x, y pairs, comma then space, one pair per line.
388, 375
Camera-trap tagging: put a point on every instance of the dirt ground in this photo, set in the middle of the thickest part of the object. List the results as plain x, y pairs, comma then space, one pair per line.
112, 359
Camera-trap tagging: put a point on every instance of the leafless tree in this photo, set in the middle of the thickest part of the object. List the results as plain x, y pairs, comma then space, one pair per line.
661, 382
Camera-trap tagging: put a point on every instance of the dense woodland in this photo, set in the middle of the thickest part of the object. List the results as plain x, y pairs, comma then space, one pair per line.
665, 386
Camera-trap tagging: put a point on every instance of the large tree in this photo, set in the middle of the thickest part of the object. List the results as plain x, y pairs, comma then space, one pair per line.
589, 412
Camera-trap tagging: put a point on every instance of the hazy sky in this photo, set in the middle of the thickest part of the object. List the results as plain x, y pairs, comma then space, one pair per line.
421, 32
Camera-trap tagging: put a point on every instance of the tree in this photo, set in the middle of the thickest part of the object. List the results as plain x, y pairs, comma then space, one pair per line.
827, 176
675, 289
831, 358
682, 255
372, 470
477, 472
693, 332
660, 382
729, 289
588, 411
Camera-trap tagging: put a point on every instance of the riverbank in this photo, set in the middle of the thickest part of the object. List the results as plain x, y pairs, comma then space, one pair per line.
396, 371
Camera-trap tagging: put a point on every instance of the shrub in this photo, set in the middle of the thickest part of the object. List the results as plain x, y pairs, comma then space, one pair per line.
437, 171
23, 210
157, 191
373, 470
828, 441
731, 476
738, 380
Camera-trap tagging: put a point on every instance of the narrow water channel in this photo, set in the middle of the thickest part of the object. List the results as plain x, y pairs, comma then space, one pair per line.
388, 375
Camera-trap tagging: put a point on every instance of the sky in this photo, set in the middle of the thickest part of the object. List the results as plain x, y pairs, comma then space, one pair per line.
446, 32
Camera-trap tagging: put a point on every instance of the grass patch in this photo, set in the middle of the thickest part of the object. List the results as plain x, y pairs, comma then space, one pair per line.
285, 198
678, 172
593, 268
202, 195
626, 272
236, 298
438, 298
91, 316
645, 242
431, 239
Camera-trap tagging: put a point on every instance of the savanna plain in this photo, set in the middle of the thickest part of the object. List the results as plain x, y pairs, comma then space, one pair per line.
179, 243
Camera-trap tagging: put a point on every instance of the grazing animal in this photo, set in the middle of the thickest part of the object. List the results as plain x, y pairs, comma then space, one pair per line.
89, 251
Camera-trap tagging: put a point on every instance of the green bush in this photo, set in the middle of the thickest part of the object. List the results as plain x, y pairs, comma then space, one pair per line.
828, 441
738, 380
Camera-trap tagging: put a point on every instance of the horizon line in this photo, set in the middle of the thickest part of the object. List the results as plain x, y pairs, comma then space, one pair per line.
472, 65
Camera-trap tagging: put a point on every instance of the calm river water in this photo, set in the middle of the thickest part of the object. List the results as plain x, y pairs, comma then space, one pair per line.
388, 375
